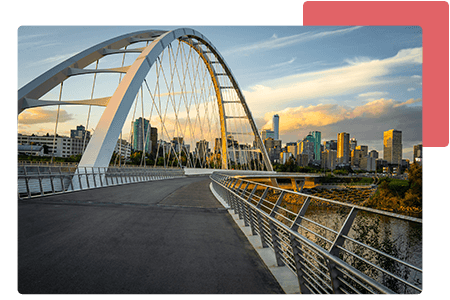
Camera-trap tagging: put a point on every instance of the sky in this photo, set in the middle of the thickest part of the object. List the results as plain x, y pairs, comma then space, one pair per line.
360, 80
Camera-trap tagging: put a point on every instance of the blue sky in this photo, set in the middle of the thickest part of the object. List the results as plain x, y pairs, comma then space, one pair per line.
361, 80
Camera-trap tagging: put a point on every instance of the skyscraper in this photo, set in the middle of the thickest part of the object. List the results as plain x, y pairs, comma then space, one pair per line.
392, 142
417, 156
353, 144
364, 149
317, 135
276, 126
330, 145
343, 148
373, 153
154, 139
140, 131
307, 147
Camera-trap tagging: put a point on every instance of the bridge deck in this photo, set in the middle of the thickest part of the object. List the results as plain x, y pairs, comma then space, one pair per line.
160, 237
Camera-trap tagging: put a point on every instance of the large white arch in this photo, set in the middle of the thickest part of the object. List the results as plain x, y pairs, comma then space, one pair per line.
99, 150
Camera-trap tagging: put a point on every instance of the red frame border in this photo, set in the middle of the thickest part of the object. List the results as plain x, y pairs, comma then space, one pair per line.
433, 17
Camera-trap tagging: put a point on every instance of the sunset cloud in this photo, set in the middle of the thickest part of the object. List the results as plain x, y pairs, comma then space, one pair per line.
295, 118
39, 115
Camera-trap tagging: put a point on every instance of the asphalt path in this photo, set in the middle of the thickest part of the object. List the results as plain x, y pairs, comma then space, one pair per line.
162, 237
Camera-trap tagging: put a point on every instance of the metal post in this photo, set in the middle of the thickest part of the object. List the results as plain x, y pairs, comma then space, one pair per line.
299, 260
250, 210
240, 204
273, 232
40, 181
259, 218
51, 179
334, 250
87, 177
61, 177
93, 175
27, 182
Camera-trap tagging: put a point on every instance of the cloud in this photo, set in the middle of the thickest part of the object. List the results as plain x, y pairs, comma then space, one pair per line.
39, 115
344, 80
365, 122
372, 94
283, 63
52, 60
295, 118
276, 43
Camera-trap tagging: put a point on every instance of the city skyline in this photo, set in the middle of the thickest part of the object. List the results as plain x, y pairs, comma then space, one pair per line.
361, 80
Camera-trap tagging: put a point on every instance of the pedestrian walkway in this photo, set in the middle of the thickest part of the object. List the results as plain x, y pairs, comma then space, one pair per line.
162, 237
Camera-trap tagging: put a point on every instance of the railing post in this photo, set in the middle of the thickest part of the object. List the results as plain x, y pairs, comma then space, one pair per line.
299, 260
296, 248
240, 205
100, 176
250, 210
40, 181
275, 239
93, 176
334, 250
26, 181
61, 177
51, 179
259, 217
87, 177
77, 173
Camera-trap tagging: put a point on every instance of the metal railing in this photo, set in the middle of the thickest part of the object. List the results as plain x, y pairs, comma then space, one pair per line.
38, 180
332, 247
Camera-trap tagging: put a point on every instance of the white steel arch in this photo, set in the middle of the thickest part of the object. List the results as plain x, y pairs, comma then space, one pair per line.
99, 150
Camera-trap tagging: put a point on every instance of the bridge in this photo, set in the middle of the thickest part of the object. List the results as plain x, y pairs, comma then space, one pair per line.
199, 221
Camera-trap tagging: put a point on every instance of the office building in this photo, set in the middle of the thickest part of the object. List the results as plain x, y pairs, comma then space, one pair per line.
273, 148
373, 153
353, 144
140, 135
330, 145
276, 127
292, 148
355, 157
343, 148
306, 147
328, 161
123, 148
59, 146
364, 150
392, 142
368, 163
418, 152
317, 135
202, 150
266, 133
80, 133
302, 160
154, 139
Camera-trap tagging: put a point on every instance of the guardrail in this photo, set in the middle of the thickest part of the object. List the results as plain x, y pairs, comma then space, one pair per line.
340, 253
37, 181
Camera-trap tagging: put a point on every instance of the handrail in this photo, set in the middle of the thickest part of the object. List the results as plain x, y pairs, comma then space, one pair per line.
337, 265
42, 180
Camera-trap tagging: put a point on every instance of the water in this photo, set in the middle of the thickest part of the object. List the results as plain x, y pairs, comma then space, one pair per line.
397, 238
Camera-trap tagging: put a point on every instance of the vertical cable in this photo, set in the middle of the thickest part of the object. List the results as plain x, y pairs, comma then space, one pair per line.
56, 124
